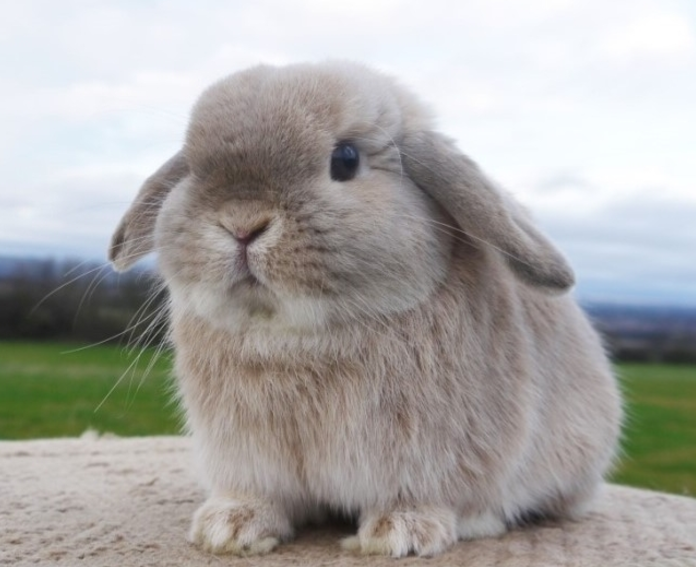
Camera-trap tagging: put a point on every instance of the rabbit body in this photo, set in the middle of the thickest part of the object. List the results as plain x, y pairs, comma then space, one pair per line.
392, 345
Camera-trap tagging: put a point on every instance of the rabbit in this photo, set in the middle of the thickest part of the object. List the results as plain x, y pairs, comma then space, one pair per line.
364, 324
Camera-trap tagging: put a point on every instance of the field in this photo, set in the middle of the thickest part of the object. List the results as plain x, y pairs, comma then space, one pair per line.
54, 390
660, 431
49, 390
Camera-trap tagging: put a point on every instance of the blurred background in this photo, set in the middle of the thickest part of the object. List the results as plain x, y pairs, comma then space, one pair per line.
582, 109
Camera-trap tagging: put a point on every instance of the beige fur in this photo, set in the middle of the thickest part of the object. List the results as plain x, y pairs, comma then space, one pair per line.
395, 347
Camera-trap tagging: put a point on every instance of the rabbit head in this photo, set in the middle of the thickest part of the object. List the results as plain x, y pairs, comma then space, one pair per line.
309, 194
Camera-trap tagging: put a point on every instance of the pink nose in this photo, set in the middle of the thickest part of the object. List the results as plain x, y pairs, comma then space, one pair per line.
247, 235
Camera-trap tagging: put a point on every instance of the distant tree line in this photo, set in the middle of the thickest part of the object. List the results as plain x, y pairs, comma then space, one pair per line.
78, 302
670, 347
644, 333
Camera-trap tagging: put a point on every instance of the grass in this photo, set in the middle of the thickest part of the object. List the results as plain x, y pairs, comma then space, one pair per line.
660, 431
53, 390
49, 390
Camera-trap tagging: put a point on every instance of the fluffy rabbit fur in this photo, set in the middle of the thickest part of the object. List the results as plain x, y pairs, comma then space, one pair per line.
396, 346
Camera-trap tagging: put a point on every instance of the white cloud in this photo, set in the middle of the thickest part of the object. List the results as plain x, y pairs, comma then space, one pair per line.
644, 242
657, 34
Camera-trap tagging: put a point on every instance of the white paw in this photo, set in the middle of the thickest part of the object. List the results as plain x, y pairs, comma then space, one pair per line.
241, 527
422, 531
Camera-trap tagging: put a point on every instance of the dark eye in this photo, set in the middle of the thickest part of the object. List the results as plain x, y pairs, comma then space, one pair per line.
344, 162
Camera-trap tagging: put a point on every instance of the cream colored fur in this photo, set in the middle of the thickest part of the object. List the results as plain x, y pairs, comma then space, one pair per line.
397, 347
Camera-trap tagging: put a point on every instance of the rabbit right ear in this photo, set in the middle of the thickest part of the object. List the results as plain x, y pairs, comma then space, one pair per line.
481, 210
134, 236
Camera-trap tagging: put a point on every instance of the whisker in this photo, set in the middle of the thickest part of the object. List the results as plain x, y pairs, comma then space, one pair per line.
62, 286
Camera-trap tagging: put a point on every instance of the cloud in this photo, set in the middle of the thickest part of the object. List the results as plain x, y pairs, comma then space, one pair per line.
74, 215
582, 109
655, 35
644, 242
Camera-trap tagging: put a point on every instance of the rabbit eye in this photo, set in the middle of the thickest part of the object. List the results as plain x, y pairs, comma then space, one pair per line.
344, 162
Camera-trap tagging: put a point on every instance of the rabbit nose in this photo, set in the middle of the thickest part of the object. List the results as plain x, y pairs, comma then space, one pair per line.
247, 234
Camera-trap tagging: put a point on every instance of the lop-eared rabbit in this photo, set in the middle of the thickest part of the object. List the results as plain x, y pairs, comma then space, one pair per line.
364, 324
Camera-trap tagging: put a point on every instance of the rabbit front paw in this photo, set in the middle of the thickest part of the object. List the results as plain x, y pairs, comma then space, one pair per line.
423, 531
241, 527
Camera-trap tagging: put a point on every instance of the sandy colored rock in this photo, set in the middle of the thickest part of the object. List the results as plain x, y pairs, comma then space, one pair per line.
128, 502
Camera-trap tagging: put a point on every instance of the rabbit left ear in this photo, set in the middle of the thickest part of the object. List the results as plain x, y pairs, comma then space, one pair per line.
481, 210
133, 237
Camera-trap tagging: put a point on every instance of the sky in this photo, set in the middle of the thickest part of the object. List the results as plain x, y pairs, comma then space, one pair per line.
584, 110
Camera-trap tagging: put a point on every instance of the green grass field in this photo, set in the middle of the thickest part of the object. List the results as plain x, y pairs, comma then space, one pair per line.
660, 430
49, 390
53, 390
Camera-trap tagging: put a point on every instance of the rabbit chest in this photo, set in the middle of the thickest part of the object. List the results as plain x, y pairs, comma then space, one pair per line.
343, 428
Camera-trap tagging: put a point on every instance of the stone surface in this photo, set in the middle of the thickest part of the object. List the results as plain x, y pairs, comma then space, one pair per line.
123, 502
